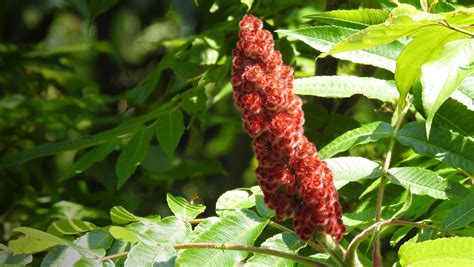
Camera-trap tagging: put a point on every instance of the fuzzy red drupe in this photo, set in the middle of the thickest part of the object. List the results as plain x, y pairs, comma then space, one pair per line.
296, 183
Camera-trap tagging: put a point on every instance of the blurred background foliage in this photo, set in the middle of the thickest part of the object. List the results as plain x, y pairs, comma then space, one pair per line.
72, 68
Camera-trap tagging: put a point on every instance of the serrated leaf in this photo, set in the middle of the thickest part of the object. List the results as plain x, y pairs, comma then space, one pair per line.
34, 241
286, 242
399, 235
96, 154
357, 18
425, 46
444, 145
156, 256
349, 169
371, 132
182, 209
169, 129
234, 200
239, 227
442, 76
461, 215
322, 38
384, 33
446, 252
420, 181
169, 230
7, 258
132, 155
346, 86
70, 227
455, 116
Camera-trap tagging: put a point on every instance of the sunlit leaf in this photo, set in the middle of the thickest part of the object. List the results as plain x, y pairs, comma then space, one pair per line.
182, 209
322, 38
240, 227
443, 75
346, 86
357, 18
349, 169
456, 251
70, 227
156, 256
234, 200
371, 132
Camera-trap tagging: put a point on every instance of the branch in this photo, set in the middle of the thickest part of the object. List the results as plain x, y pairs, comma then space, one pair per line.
378, 208
224, 246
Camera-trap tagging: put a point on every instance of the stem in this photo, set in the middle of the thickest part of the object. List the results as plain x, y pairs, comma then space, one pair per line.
454, 28
282, 228
223, 246
351, 249
377, 258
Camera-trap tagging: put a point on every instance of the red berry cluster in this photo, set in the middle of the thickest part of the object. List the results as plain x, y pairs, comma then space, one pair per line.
295, 182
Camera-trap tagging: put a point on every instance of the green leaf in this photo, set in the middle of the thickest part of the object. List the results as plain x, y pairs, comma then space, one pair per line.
399, 235
234, 200
371, 132
239, 227
94, 240
425, 46
286, 242
34, 241
170, 230
461, 16
123, 234
96, 154
194, 101
90, 9
8, 259
182, 209
444, 145
455, 116
445, 252
120, 215
70, 227
466, 88
420, 181
441, 77
260, 205
248, 3
346, 86
169, 129
357, 18
61, 256
156, 256
348, 169
461, 215
132, 155
322, 38
384, 33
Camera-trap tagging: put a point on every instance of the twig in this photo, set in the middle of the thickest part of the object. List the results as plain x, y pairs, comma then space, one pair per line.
378, 208
311, 243
224, 246
454, 28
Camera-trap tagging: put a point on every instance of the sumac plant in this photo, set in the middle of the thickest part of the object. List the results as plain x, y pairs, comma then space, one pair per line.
391, 187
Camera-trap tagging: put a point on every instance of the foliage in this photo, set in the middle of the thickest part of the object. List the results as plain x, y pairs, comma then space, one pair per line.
106, 107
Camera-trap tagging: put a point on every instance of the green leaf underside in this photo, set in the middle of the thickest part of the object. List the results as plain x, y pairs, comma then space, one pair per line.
7, 258
420, 181
442, 76
456, 251
182, 209
169, 129
70, 227
371, 132
239, 227
132, 155
461, 215
234, 200
286, 242
425, 46
144, 255
357, 18
444, 145
322, 38
349, 169
346, 86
